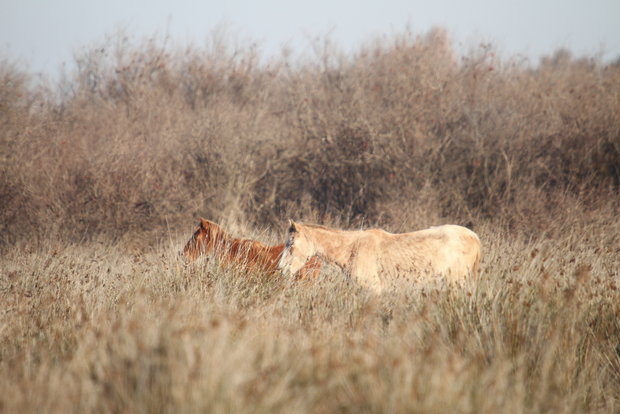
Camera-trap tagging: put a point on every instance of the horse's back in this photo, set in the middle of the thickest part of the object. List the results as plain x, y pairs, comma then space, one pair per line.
448, 249
447, 233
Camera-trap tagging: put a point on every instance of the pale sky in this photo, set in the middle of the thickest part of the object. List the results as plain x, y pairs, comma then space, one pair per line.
42, 34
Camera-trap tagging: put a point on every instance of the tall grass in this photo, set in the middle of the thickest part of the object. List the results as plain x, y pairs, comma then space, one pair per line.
91, 328
103, 175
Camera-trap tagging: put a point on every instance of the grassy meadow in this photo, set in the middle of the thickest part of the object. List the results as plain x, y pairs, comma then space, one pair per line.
104, 173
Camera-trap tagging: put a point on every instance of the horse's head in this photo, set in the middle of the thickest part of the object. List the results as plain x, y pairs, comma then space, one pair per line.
297, 250
203, 240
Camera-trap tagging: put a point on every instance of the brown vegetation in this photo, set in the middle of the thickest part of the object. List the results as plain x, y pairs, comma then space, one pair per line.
91, 328
141, 139
103, 176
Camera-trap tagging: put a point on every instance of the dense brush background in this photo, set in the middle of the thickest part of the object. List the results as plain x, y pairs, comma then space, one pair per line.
104, 174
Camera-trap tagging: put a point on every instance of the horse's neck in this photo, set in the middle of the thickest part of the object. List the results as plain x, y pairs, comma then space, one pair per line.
334, 245
224, 242
237, 245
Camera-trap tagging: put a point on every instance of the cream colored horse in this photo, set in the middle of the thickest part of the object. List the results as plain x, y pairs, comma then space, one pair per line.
377, 259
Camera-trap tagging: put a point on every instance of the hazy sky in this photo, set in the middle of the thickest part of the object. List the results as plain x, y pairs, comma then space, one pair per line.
42, 34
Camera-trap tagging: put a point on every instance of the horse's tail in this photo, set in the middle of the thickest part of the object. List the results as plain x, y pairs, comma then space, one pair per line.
475, 270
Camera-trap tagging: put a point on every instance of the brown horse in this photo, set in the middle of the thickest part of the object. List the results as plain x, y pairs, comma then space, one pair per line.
246, 254
377, 259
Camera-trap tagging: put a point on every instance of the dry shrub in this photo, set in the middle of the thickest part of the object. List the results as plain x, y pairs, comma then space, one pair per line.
142, 137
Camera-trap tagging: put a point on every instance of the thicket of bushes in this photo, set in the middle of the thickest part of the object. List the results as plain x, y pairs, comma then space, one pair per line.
142, 137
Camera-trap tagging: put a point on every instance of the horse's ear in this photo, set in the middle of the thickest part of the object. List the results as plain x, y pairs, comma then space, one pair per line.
292, 227
204, 223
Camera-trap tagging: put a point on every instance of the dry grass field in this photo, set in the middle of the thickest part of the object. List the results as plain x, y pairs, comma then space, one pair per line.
104, 175
92, 328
